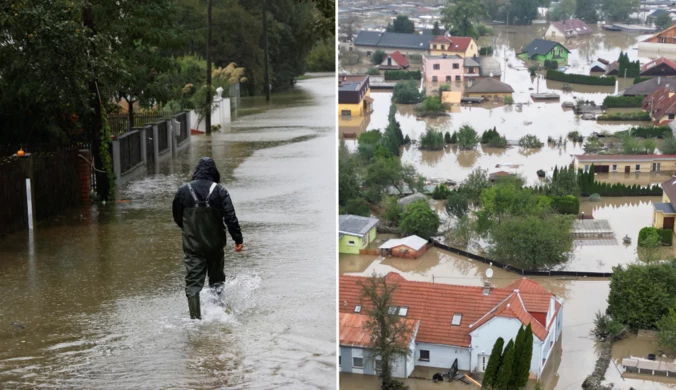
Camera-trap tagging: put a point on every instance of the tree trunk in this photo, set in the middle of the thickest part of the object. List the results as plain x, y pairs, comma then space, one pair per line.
207, 117
102, 183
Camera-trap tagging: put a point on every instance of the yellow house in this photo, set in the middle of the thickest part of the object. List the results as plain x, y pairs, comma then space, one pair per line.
626, 163
354, 95
355, 233
462, 46
489, 88
664, 213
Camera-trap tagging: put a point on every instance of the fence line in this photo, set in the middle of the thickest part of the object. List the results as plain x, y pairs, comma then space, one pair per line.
119, 123
130, 150
519, 271
163, 134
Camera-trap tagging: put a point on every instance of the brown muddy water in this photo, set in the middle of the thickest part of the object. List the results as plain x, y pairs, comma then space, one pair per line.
99, 291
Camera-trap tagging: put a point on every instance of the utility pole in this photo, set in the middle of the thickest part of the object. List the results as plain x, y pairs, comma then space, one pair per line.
265, 43
207, 113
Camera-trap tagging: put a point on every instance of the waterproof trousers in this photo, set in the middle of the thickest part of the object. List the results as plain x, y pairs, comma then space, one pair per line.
199, 266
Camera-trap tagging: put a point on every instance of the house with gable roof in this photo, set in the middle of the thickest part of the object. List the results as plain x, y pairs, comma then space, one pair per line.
355, 233
461, 46
570, 28
394, 61
453, 323
659, 67
664, 213
542, 49
661, 105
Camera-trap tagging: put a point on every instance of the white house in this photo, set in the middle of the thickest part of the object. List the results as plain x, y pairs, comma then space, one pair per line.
456, 322
567, 29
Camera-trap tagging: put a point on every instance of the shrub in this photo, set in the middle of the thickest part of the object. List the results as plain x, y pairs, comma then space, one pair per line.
431, 106
484, 31
372, 71
645, 232
486, 51
624, 116
666, 236
579, 78
509, 99
532, 70
568, 204
407, 92
530, 141
492, 138
407, 140
403, 75
551, 64
432, 140
447, 138
623, 101
575, 136
640, 79
378, 57
440, 192
595, 197
454, 138
467, 137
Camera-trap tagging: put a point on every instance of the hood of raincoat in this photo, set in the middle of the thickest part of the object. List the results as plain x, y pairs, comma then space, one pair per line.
206, 170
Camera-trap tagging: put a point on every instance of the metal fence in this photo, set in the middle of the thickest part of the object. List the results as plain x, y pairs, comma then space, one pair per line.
131, 153
183, 120
163, 135
119, 123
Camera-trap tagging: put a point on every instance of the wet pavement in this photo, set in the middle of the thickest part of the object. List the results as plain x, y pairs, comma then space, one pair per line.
98, 291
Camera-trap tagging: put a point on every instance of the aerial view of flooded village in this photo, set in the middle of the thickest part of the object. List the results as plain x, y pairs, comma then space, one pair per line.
506, 192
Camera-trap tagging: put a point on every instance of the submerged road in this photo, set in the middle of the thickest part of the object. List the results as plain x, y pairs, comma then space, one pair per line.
99, 291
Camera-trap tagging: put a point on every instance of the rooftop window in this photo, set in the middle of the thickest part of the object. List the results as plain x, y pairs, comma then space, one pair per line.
403, 311
457, 318
357, 309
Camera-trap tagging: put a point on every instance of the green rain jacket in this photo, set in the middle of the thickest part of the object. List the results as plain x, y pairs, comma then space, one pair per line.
203, 209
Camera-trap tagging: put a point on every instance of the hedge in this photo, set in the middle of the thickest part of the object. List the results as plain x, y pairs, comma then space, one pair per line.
486, 51
623, 101
646, 131
666, 235
579, 78
624, 116
588, 185
640, 79
568, 204
403, 75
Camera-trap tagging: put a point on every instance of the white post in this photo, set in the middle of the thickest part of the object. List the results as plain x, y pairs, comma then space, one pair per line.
29, 203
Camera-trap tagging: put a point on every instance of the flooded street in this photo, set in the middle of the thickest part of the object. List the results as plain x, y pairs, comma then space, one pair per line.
97, 294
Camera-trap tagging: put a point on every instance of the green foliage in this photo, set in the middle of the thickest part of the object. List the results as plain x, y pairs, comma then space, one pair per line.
392, 210
564, 9
619, 10
530, 141
447, 137
507, 198
322, 57
509, 99
484, 31
401, 24
440, 192
454, 138
348, 179
467, 137
493, 364
406, 92
579, 78
551, 64
358, 206
665, 236
568, 204
436, 30
378, 57
649, 145
623, 101
402, 75
504, 375
575, 136
663, 21
587, 11
633, 68
640, 79
457, 204
666, 337
475, 183
595, 198
668, 145
419, 219
631, 289
646, 132
522, 372
523, 12
372, 71
532, 241
486, 51
106, 158
624, 116
588, 185
431, 106
492, 138
432, 140
518, 352
460, 18
607, 328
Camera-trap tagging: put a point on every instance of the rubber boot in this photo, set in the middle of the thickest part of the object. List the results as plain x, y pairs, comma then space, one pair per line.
195, 309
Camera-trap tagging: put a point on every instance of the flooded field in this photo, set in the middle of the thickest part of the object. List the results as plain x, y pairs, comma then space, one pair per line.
98, 291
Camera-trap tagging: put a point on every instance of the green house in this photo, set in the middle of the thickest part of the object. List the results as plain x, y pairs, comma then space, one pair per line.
355, 233
542, 49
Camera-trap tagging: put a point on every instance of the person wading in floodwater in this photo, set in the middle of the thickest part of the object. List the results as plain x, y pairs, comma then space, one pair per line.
202, 209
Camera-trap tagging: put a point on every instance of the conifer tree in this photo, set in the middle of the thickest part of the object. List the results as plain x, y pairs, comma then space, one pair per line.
518, 351
523, 372
505, 371
493, 364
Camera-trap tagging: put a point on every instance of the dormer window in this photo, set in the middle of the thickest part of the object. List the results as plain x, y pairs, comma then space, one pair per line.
457, 319
357, 309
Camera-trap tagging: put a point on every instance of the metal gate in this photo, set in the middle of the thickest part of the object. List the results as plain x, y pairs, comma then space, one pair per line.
150, 146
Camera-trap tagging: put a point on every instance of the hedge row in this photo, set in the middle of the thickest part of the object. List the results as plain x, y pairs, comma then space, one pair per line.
588, 185
646, 131
623, 101
624, 116
666, 235
640, 79
568, 204
403, 75
579, 78
486, 51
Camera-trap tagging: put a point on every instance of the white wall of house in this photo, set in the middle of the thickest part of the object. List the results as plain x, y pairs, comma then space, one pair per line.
219, 116
553, 32
442, 356
483, 338
400, 367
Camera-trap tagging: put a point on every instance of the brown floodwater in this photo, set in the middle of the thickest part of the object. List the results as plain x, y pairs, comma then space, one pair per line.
99, 290
574, 357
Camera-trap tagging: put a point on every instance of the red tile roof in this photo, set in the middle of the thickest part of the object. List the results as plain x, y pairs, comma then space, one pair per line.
660, 103
456, 44
352, 330
658, 62
399, 59
434, 304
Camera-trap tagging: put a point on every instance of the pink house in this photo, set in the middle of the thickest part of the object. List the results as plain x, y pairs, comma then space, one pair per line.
443, 69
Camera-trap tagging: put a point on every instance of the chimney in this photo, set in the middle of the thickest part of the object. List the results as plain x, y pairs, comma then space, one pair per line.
487, 288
